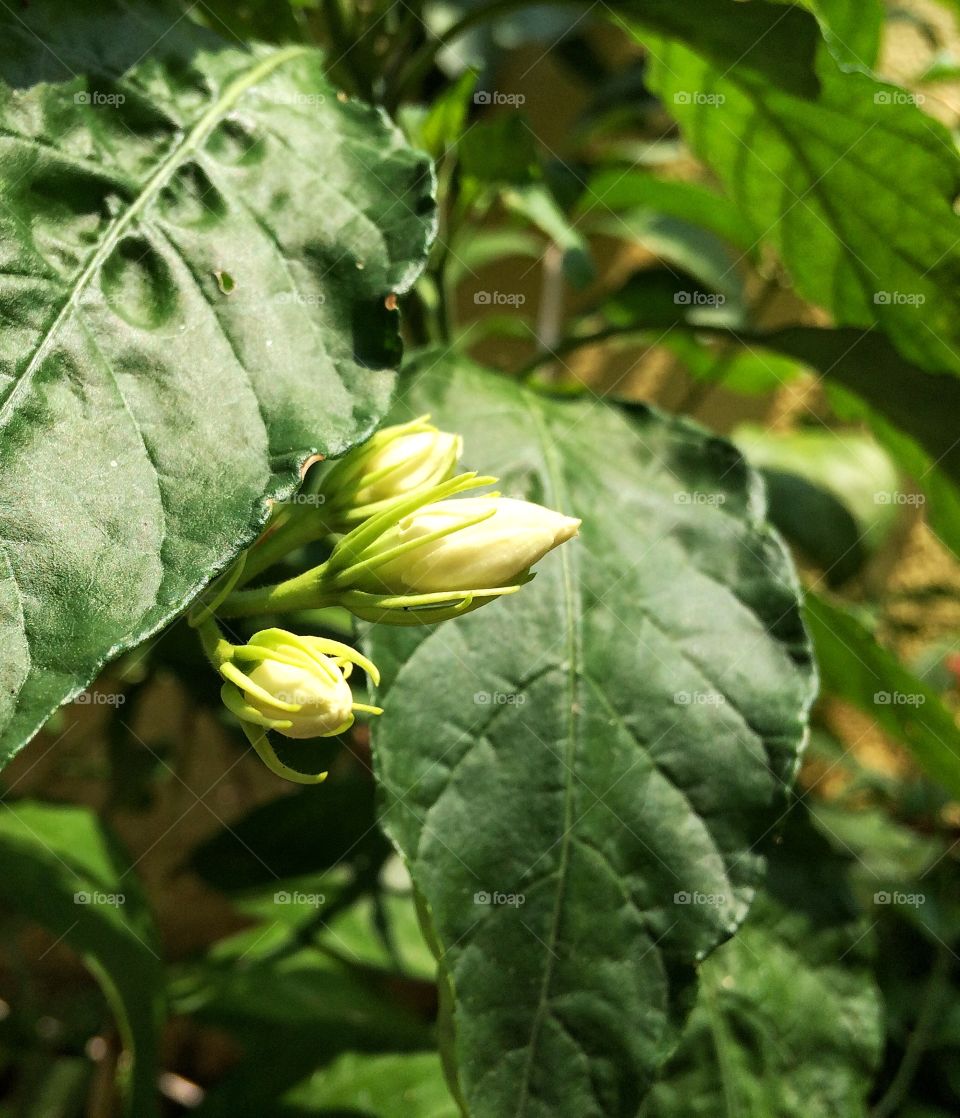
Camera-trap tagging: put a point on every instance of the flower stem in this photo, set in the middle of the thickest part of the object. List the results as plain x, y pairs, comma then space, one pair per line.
300, 592
217, 648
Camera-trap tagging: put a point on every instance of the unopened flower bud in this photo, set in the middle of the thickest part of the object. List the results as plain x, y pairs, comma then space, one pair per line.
474, 543
294, 685
424, 558
396, 462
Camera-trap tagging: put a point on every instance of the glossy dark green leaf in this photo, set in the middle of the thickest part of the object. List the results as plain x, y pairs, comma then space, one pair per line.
788, 1020
437, 127
591, 752
63, 870
198, 239
499, 151
242, 989
923, 406
814, 521
854, 186
856, 668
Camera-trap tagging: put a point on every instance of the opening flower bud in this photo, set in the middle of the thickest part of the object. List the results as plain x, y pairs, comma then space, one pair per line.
294, 685
396, 462
473, 543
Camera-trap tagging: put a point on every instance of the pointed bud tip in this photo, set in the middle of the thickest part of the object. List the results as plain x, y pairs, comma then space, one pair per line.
568, 529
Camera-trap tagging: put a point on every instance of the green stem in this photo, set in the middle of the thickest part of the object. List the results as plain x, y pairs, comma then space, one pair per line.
217, 648
300, 592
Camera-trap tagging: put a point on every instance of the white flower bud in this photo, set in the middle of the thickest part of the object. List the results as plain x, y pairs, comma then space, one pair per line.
472, 554
296, 686
323, 699
394, 463
407, 463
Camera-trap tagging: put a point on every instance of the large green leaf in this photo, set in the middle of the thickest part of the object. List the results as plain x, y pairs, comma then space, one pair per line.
63, 870
854, 186
198, 240
788, 1020
604, 744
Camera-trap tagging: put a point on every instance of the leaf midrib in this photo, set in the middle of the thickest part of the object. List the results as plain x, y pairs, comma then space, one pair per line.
558, 490
191, 142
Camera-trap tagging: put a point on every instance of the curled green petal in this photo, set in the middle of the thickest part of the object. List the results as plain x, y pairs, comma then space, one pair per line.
261, 743
234, 701
232, 673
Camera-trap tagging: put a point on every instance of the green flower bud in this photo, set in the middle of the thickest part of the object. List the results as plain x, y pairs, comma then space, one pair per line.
396, 462
295, 685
